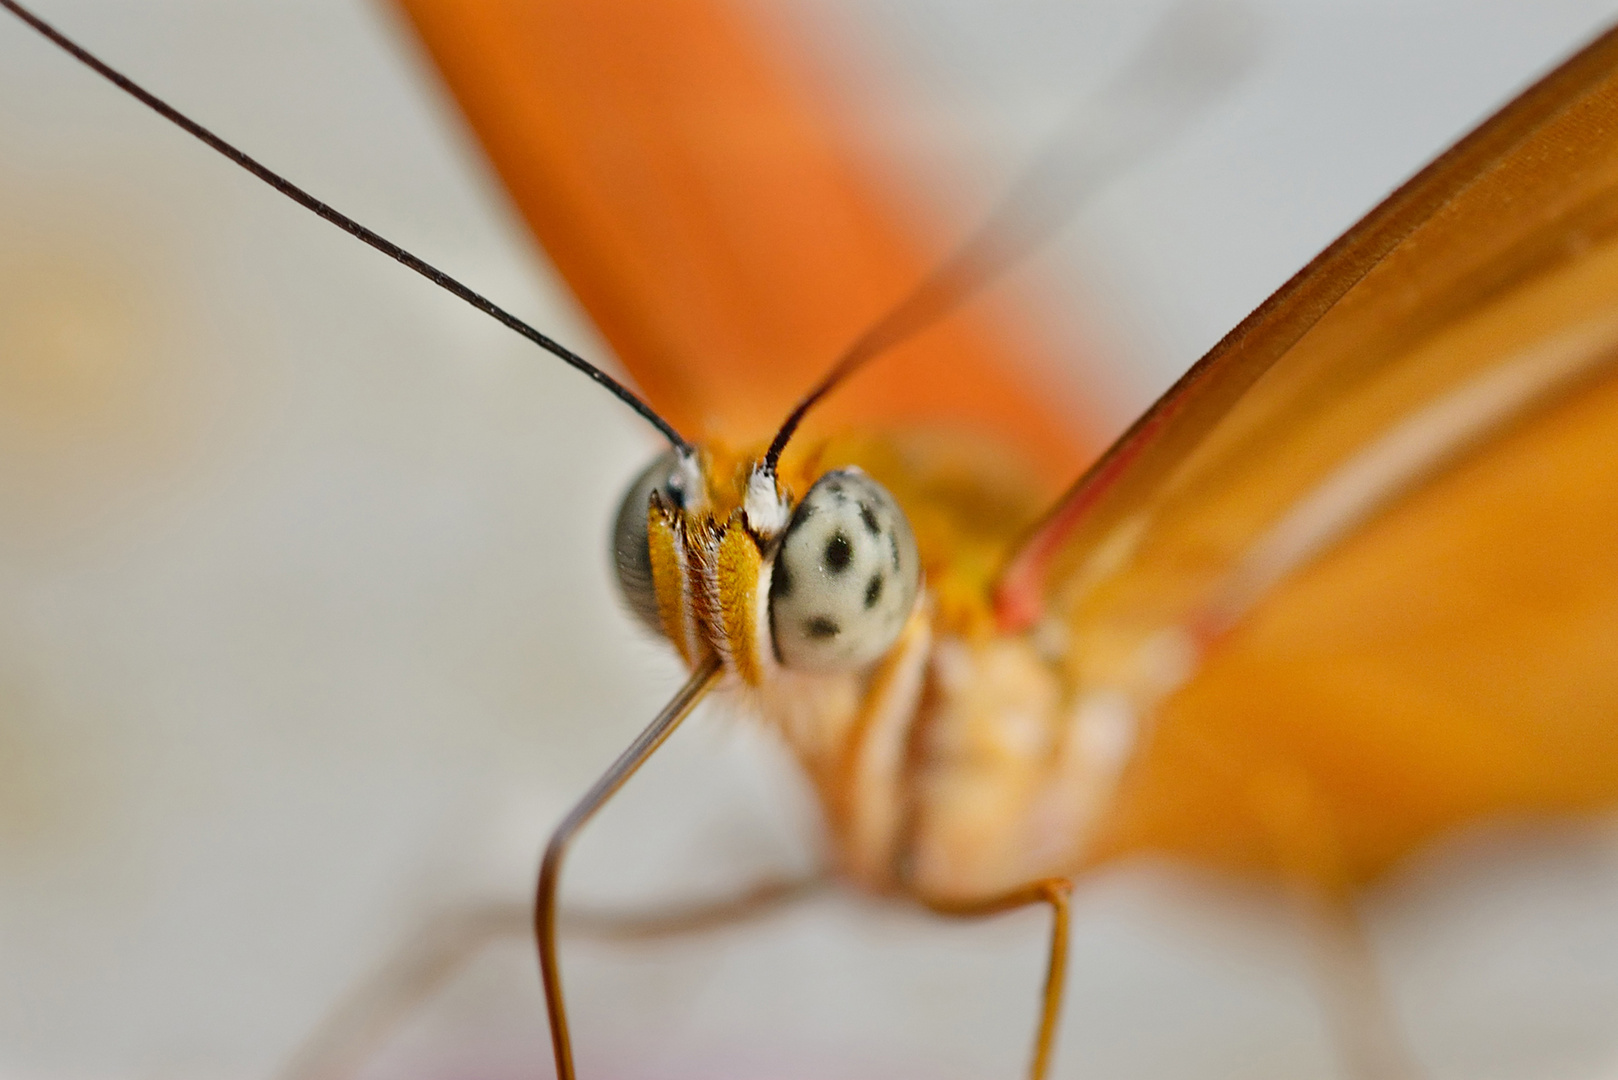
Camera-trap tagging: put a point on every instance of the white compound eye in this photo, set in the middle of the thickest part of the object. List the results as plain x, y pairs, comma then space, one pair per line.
675, 477
845, 576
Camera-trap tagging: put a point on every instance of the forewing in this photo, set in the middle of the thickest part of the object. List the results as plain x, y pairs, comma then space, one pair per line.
1356, 576
693, 186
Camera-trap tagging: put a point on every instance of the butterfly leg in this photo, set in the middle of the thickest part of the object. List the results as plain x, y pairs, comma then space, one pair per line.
1054, 892
363, 1022
1357, 1006
1359, 1013
355, 1029
550, 870
694, 917
359, 1026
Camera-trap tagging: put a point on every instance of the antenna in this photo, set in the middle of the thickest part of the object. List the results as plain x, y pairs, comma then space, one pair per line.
349, 225
1194, 55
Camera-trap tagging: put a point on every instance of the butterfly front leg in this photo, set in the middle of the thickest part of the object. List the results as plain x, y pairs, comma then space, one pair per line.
1056, 893
550, 871
1307, 851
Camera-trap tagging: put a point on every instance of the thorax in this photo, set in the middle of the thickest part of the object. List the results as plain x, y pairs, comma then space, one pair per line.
958, 762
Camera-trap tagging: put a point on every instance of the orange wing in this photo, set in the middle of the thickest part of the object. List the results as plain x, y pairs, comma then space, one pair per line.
704, 208
1361, 565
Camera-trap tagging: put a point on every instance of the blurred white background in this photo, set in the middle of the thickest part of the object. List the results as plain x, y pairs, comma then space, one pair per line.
306, 631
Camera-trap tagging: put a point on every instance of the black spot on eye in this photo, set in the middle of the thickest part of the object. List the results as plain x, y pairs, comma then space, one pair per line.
781, 583
893, 551
868, 516
873, 591
839, 553
820, 628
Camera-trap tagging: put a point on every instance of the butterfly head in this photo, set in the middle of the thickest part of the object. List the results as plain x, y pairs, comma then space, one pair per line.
714, 552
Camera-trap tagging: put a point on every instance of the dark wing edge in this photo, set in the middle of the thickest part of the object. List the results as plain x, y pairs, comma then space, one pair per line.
1125, 477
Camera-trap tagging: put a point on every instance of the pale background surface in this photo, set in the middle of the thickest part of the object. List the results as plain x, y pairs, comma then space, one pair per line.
305, 624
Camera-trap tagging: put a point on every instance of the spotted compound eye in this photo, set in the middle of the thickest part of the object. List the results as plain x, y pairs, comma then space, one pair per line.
845, 576
631, 549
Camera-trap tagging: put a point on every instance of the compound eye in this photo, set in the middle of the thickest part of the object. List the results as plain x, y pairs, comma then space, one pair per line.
631, 549
845, 576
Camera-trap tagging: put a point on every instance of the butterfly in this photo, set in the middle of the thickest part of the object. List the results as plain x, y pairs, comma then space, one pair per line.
1200, 650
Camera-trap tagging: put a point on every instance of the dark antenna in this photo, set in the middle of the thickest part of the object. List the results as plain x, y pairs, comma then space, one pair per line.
349, 225
1195, 54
